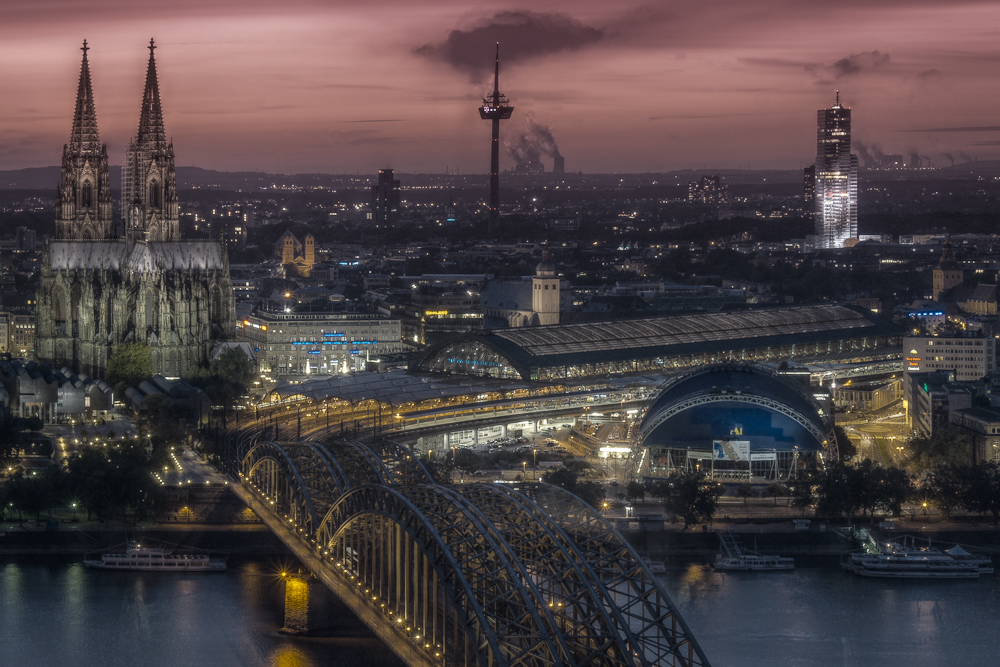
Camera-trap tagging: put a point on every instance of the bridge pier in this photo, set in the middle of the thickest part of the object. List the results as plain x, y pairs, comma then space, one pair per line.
296, 603
312, 609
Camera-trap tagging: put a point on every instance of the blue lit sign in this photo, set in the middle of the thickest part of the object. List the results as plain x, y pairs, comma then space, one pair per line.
473, 362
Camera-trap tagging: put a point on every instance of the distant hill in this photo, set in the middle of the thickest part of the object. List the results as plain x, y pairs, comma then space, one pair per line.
35, 178
47, 178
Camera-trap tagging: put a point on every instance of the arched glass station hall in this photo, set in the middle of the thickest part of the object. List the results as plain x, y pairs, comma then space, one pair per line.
803, 334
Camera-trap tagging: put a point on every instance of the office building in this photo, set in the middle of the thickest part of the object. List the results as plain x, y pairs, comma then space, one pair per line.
325, 343
385, 202
836, 178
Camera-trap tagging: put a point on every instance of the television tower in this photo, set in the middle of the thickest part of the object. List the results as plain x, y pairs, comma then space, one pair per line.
496, 108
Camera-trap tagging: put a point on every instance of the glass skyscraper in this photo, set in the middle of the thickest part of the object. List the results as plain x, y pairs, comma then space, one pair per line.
836, 186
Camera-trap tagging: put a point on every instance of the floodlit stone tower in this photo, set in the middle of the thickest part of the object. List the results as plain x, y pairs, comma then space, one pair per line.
83, 200
149, 183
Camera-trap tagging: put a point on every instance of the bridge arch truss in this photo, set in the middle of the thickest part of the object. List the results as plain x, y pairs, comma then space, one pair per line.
476, 574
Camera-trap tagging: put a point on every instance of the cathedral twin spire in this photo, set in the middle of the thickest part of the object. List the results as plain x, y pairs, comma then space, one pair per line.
151, 119
83, 200
149, 192
85, 138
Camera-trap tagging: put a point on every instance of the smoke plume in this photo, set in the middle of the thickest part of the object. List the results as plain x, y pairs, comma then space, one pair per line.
864, 155
527, 149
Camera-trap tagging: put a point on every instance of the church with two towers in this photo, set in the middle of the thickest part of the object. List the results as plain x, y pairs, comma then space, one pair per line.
107, 281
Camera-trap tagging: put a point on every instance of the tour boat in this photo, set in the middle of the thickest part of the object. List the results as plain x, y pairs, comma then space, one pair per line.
905, 561
141, 557
734, 557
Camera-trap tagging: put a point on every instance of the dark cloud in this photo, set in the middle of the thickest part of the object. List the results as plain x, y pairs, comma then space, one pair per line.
523, 35
849, 66
857, 63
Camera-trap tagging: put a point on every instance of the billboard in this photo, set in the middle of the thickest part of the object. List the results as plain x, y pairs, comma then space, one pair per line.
764, 456
731, 450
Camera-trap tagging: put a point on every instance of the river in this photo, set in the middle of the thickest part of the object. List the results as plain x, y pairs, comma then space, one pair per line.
820, 616
53, 611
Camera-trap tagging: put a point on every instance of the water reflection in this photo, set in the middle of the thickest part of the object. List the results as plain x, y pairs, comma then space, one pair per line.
819, 615
54, 611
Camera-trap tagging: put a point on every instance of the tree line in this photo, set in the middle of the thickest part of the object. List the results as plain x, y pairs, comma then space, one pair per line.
103, 482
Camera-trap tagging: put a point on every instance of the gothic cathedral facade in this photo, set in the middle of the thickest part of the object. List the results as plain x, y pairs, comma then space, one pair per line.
103, 284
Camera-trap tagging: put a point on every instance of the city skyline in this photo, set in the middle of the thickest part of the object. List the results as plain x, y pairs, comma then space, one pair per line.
307, 87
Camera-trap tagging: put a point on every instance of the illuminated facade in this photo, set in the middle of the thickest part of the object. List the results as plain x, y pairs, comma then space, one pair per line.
969, 357
734, 423
322, 343
836, 178
98, 287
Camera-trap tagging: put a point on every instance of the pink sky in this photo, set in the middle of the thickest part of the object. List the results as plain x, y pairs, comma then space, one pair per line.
336, 86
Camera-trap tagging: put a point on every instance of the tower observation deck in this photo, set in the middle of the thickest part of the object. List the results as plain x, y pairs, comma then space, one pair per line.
496, 107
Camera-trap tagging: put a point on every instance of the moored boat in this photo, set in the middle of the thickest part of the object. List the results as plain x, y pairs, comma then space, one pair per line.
139, 556
903, 560
733, 557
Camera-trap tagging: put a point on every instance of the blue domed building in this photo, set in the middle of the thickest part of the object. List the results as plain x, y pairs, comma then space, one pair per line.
736, 423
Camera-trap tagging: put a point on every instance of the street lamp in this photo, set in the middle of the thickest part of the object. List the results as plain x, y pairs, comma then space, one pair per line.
524, 466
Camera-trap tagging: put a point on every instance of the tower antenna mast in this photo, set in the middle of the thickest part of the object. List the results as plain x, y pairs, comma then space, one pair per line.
495, 108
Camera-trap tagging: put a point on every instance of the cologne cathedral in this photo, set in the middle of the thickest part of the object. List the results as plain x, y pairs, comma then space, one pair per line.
104, 283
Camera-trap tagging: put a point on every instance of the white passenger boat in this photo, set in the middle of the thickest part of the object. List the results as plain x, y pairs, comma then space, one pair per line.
138, 556
735, 557
903, 560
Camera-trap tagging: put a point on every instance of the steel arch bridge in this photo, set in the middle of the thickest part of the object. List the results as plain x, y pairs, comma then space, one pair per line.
479, 574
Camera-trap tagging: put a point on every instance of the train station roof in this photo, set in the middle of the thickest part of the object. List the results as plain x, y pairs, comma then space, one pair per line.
395, 387
704, 333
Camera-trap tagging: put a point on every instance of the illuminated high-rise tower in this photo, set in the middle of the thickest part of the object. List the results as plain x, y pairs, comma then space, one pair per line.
836, 193
496, 107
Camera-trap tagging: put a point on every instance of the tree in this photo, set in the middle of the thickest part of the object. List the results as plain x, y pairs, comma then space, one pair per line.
946, 486
745, 491
896, 487
636, 491
228, 377
982, 491
802, 490
948, 445
834, 495
776, 490
36, 492
130, 363
845, 446
691, 496
467, 460
591, 493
